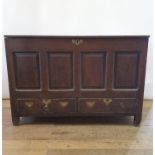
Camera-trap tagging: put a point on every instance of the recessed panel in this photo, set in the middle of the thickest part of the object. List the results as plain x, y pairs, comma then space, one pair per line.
60, 69
93, 70
126, 70
27, 72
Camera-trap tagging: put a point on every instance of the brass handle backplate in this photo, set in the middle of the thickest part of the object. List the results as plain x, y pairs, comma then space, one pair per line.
90, 104
46, 103
107, 101
29, 104
77, 42
64, 103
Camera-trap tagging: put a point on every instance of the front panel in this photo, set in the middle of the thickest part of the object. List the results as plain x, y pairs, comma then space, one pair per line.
60, 70
126, 70
27, 70
93, 67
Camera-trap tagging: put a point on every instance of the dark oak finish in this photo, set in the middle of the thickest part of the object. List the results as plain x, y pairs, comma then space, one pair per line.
76, 75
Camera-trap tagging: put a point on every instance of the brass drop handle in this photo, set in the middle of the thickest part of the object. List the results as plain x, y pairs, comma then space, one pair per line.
90, 104
107, 101
64, 103
46, 103
77, 42
29, 104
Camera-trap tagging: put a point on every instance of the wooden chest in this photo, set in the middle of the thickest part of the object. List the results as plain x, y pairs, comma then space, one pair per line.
76, 75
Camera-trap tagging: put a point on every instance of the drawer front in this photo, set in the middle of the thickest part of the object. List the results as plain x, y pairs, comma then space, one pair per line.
45, 106
107, 105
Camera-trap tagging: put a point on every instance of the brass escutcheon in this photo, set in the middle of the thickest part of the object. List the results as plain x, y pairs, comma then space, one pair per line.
77, 42
90, 104
107, 101
29, 104
64, 103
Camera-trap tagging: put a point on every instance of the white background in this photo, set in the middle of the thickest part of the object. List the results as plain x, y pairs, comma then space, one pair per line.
79, 17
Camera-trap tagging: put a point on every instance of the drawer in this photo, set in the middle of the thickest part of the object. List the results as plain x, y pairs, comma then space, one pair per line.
107, 105
39, 106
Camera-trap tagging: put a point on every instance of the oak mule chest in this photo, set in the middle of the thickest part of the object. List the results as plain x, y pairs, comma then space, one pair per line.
76, 75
